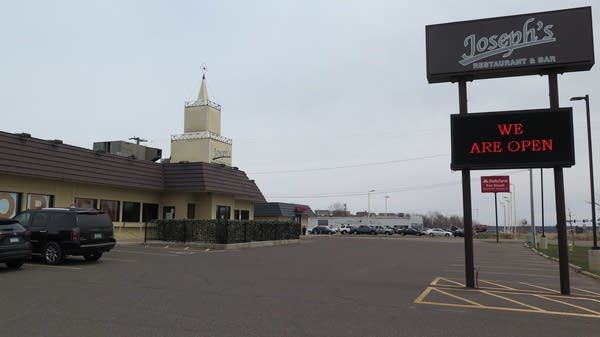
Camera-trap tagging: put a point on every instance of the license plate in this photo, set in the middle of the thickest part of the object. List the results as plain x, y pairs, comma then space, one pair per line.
98, 236
13, 240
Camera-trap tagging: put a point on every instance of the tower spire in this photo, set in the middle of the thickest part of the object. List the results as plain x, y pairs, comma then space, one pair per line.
203, 94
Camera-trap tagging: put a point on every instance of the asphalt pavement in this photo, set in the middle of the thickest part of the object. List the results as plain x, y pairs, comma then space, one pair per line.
323, 286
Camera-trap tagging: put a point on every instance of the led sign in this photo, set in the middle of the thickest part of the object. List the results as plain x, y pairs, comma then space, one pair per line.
512, 139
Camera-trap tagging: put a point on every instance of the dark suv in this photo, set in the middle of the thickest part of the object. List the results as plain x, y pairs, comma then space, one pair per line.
14, 243
58, 232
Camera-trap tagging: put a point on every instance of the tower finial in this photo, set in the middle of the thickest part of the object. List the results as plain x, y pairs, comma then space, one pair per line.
204, 70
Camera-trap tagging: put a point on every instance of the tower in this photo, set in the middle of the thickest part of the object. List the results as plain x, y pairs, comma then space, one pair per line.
201, 140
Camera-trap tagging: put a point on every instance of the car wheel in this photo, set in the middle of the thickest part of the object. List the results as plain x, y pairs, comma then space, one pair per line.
431, 235
447, 235
15, 264
52, 253
92, 256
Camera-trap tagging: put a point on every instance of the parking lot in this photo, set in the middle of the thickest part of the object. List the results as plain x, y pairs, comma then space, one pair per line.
323, 286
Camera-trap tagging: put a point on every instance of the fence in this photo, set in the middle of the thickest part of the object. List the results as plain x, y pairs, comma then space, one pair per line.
219, 231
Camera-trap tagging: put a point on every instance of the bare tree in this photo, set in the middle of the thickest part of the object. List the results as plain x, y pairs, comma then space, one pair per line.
338, 209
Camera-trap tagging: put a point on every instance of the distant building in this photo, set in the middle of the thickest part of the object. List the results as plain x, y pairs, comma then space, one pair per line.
415, 221
281, 211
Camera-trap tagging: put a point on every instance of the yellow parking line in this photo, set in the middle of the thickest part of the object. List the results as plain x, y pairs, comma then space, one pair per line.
497, 285
458, 297
423, 295
586, 291
435, 281
539, 287
513, 301
569, 304
450, 281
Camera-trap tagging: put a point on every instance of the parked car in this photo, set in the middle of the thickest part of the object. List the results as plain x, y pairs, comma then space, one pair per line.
384, 230
321, 230
459, 232
58, 232
480, 228
345, 229
409, 231
438, 232
363, 229
14, 243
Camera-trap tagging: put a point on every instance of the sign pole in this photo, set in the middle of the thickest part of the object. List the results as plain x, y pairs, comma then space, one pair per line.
496, 208
561, 216
466, 190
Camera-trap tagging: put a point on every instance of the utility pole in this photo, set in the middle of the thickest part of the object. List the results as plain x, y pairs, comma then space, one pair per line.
138, 140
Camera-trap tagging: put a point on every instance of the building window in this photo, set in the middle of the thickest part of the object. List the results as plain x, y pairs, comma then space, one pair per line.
111, 207
223, 212
191, 211
241, 214
86, 203
149, 212
131, 211
10, 204
169, 212
37, 201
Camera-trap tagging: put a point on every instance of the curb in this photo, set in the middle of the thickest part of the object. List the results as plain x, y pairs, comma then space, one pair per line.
212, 246
577, 269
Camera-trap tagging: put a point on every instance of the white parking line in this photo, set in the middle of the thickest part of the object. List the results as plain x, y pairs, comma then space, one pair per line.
55, 267
143, 253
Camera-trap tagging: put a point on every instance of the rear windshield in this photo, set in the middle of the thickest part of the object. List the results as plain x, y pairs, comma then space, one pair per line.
98, 220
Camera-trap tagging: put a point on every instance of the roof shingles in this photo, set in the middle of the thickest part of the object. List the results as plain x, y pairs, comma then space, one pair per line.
23, 155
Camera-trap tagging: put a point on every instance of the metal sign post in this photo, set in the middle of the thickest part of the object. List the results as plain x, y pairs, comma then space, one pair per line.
559, 195
543, 43
466, 191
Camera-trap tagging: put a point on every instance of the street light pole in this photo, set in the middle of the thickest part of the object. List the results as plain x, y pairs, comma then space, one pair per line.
513, 192
386, 200
369, 208
586, 98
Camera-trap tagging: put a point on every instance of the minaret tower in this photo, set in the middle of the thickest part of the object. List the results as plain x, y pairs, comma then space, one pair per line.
201, 140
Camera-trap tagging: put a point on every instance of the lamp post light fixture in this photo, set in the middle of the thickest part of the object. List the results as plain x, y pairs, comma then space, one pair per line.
586, 98
369, 207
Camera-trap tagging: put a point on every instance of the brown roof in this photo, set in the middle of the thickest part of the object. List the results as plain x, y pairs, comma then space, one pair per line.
191, 177
23, 155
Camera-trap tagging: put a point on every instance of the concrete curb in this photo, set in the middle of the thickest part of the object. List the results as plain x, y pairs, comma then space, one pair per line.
577, 269
212, 246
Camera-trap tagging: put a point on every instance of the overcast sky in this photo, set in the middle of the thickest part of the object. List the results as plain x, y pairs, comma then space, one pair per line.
305, 86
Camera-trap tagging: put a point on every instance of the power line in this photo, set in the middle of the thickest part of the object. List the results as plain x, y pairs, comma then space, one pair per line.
350, 166
392, 190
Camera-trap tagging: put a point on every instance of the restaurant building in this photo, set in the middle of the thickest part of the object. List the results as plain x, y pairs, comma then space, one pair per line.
197, 182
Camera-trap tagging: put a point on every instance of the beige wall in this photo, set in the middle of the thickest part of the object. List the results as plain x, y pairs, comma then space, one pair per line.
200, 150
202, 118
65, 192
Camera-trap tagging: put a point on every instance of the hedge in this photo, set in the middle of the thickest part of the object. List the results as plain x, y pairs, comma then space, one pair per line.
220, 231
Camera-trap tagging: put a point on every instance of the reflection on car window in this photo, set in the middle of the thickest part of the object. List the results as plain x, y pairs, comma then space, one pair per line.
23, 218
